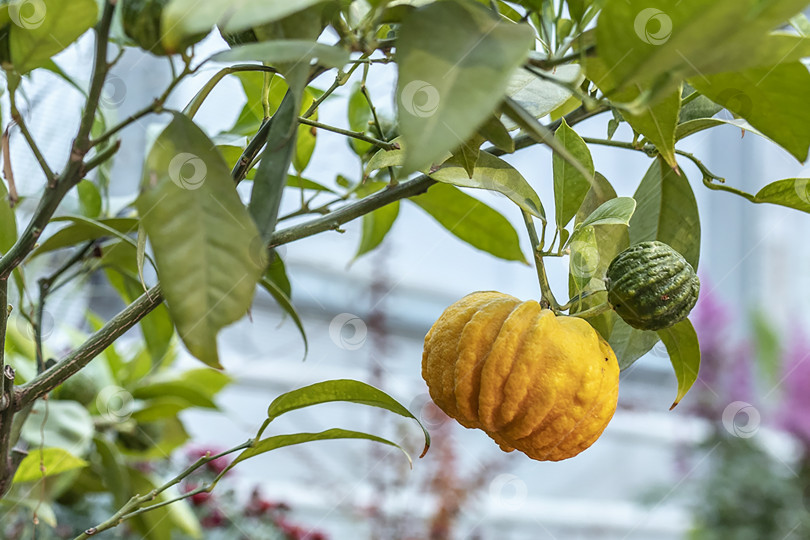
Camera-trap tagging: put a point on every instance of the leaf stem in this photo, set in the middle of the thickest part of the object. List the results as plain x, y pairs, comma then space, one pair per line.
354, 134
545, 288
593, 311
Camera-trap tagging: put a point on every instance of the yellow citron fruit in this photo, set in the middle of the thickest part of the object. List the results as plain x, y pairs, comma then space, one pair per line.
542, 384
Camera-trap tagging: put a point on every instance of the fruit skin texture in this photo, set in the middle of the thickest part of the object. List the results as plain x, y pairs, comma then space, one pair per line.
533, 381
651, 286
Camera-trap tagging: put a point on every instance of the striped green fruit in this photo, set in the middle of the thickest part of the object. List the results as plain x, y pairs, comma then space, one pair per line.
651, 286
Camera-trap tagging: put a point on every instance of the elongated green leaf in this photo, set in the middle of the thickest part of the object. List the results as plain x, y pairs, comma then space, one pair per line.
467, 154
185, 18
455, 60
790, 192
54, 460
396, 158
616, 211
208, 253
494, 174
667, 211
8, 223
113, 471
684, 352
772, 99
304, 183
543, 135
583, 263
84, 229
121, 266
43, 28
339, 390
179, 389
629, 343
643, 40
271, 177
376, 225
495, 132
280, 441
691, 127
697, 107
541, 96
67, 426
570, 185
471, 220
89, 199
286, 50
283, 299
656, 121
277, 273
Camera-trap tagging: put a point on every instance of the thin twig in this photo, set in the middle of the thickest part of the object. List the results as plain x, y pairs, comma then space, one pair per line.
135, 506
354, 134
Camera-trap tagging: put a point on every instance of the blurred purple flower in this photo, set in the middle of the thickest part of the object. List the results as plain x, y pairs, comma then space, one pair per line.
794, 411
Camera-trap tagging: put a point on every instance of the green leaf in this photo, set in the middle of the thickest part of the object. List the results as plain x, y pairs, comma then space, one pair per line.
303, 183
396, 158
280, 441
195, 396
44, 28
494, 174
271, 176
113, 471
698, 107
283, 299
467, 154
495, 132
694, 126
570, 185
208, 253
8, 223
539, 96
68, 426
121, 267
84, 229
376, 225
643, 40
186, 18
471, 220
628, 343
286, 50
277, 273
455, 60
359, 115
790, 192
346, 390
772, 99
667, 211
54, 461
616, 211
657, 121
304, 147
684, 352
89, 199
584, 261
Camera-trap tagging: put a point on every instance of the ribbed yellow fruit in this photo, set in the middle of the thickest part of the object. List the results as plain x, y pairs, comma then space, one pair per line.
542, 384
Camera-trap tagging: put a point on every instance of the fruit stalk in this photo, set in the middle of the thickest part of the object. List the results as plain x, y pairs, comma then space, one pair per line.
547, 295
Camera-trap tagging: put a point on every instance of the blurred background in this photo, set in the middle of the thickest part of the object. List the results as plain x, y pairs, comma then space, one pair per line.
729, 462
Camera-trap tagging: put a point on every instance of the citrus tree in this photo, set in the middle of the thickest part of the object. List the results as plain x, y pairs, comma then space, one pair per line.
475, 81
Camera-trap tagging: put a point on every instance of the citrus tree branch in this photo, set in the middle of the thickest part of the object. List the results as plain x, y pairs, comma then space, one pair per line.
55, 190
136, 505
129, 316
